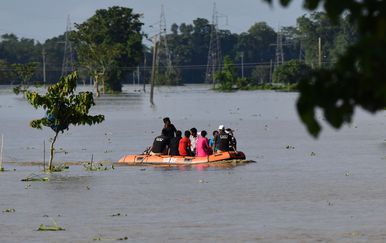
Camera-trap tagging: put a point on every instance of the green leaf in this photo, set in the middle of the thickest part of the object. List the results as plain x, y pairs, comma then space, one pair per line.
285, 2
311, 4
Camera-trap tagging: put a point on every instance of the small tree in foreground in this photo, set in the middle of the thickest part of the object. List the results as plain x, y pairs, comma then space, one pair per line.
63, 108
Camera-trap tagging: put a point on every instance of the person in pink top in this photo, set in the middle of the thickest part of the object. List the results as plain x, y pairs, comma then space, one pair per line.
202, 147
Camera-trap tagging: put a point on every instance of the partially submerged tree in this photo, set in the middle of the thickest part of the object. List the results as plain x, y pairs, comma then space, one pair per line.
24, 72
6, 74
226, 78
98, 60
63, 108
358, 78
109, 42
291, 72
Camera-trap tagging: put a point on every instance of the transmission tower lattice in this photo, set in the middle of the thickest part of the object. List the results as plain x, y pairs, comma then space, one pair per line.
279, 48
214, 54
68, 54
163, 59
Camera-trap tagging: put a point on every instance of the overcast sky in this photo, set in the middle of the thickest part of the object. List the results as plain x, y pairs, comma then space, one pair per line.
43, 19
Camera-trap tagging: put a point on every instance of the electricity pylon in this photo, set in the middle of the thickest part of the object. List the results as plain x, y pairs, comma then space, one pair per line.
214, 54
68, 64
279, 48
163, 60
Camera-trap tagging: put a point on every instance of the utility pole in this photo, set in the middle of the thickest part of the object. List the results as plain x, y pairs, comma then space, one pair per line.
242, 64
144, 74
270, 71
320, 52
138, 75
214, 54
44, 65
153, 69
1, 152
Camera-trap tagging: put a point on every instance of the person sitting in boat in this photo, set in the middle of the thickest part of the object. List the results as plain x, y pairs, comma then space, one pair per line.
223, 140
184, 145
174, 143
233, 144
170, 128
212, 142
202, 147
160, 144
193, 139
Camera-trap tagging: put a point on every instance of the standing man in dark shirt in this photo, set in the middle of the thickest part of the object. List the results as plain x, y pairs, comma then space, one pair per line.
160, 144
170, 128
174, 142
233, 145
223, 140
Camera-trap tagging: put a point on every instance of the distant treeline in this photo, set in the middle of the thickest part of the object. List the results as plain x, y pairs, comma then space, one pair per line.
189, 46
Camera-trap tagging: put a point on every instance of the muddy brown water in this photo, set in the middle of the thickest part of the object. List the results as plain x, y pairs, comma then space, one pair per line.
300, 190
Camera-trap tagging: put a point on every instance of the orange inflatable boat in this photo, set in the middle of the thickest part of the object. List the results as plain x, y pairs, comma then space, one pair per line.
144, 159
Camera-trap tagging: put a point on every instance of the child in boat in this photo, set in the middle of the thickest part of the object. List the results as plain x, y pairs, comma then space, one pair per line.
212, 141
184, 145
202, 147
193, 140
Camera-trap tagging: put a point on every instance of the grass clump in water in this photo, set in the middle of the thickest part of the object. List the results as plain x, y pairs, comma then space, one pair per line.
44, 227
89, 166
34, 177
59, 168
9, 210
54, 227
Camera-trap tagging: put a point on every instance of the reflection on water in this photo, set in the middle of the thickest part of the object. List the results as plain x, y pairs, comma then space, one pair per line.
199, 167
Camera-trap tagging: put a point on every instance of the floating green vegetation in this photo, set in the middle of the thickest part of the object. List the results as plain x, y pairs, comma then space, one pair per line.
123, 238
35, 177
59, 168
2, 169
89, 166
54, 227
275, 87
118, 215
100, 238
9, 210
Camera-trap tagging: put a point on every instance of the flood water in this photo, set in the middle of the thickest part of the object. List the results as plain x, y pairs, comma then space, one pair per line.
299, 190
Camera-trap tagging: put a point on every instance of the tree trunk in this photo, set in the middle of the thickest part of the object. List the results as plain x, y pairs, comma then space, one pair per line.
96, 85
52, 151
153, 71
102, 75
103, 86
